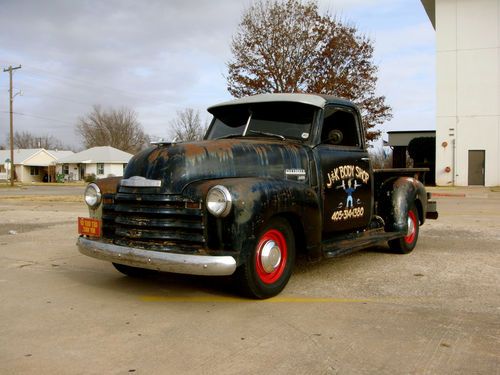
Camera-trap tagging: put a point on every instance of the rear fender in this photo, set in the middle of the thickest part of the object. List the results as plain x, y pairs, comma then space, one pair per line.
395, 200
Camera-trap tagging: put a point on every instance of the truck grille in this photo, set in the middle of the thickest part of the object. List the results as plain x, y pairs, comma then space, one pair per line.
145, 218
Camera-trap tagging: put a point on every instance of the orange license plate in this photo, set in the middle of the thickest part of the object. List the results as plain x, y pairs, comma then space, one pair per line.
89, 227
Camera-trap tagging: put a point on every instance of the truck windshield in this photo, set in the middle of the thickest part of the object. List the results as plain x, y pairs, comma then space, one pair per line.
276, 120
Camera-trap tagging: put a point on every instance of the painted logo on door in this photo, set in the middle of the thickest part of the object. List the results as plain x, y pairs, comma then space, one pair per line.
348, 178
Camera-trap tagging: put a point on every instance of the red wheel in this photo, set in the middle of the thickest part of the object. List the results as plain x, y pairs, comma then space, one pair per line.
412, 228
407, 243
268, 267
271, 256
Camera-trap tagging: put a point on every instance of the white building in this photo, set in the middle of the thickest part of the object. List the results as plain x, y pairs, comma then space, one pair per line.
102, 162
32, 165
468, 91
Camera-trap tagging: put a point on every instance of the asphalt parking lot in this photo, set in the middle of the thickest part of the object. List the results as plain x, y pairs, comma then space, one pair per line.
434, 311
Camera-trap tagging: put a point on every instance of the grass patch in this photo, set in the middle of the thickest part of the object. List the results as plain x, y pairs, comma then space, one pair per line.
7, 186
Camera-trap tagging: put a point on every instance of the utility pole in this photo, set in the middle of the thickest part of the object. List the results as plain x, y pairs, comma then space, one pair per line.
12, 167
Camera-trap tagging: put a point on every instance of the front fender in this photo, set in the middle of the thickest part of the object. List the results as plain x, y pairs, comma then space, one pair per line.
107, 186
396, 197
255, 201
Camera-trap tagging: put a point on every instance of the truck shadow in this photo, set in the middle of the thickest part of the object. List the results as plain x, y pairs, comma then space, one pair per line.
154, 283
163, 285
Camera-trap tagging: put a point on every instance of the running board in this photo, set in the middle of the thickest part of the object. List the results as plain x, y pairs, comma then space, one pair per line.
342, 245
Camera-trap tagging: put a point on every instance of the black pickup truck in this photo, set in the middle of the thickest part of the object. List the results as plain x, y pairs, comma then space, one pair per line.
275, 175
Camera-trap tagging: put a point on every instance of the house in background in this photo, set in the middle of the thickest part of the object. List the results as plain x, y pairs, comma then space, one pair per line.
101, 161
32, 165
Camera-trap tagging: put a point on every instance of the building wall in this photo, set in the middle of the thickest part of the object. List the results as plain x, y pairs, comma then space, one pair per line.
468, 88
41, 158
114, 169
109, 169
73, 172
27, 177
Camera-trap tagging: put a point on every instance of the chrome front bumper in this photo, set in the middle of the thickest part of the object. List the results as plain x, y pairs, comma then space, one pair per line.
156, 260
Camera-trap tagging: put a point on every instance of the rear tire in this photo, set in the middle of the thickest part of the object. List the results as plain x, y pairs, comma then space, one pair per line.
268, 267
406, 244
131, 271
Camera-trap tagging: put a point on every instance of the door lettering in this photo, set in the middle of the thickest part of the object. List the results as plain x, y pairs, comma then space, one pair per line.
348, 178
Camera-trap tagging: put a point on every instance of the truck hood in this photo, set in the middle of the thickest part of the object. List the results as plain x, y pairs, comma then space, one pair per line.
177, 165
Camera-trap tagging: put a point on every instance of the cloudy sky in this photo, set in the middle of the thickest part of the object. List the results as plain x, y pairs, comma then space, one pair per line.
161, 56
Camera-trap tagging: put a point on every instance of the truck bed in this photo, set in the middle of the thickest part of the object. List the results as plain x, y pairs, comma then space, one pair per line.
381, 175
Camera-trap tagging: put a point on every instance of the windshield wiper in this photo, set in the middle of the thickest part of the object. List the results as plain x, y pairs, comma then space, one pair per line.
267, 134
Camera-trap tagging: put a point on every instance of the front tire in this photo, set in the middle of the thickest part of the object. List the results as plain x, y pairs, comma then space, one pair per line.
269, 265
406, 244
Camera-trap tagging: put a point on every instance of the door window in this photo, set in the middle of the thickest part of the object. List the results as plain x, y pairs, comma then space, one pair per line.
340, 128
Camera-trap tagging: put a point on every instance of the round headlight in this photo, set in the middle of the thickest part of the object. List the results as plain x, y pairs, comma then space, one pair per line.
92, 195
219, 201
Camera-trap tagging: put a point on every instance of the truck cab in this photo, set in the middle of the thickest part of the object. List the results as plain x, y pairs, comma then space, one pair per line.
276, 174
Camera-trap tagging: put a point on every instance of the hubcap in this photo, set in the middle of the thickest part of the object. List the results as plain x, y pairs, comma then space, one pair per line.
411, 227
270, 256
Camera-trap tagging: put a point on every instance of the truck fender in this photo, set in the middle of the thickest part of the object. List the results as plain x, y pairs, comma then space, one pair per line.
255, 202
395, 200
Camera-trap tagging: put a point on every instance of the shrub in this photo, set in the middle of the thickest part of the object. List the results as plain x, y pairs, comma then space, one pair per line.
90, 178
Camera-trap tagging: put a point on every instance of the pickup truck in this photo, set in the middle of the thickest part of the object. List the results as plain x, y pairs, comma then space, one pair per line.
276, 174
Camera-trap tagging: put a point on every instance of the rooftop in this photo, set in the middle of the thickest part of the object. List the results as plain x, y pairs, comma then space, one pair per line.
316, 100
101, 154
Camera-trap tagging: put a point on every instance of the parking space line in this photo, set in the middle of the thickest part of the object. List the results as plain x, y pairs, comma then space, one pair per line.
171, 299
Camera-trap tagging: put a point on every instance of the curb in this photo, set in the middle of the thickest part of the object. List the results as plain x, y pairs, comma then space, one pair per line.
456, 195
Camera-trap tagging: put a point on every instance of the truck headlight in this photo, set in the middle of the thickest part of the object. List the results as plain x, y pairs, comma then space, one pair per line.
219, 201
92, 195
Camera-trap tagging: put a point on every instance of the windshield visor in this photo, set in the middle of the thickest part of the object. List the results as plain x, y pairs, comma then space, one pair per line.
289, 120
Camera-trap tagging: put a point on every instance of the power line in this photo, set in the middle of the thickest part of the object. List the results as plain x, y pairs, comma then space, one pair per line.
48, 76
85, 84
39, 117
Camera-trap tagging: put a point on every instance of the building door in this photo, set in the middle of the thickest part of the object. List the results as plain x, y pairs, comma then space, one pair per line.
82, 172
476, 167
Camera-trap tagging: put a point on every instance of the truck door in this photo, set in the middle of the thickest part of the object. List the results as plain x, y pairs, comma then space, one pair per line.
346, 176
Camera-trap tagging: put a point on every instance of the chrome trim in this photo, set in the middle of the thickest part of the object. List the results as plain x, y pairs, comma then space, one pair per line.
97, 192
139, 181
156, 260
295, 172
270, 256
228, 200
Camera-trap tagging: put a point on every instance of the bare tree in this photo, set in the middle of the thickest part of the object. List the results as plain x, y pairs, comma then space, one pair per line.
29, 140
188, 125
117, 128
287, 46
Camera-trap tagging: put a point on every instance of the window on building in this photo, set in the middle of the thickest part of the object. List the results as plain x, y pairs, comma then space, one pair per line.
65, 169
34, 171
100, 168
